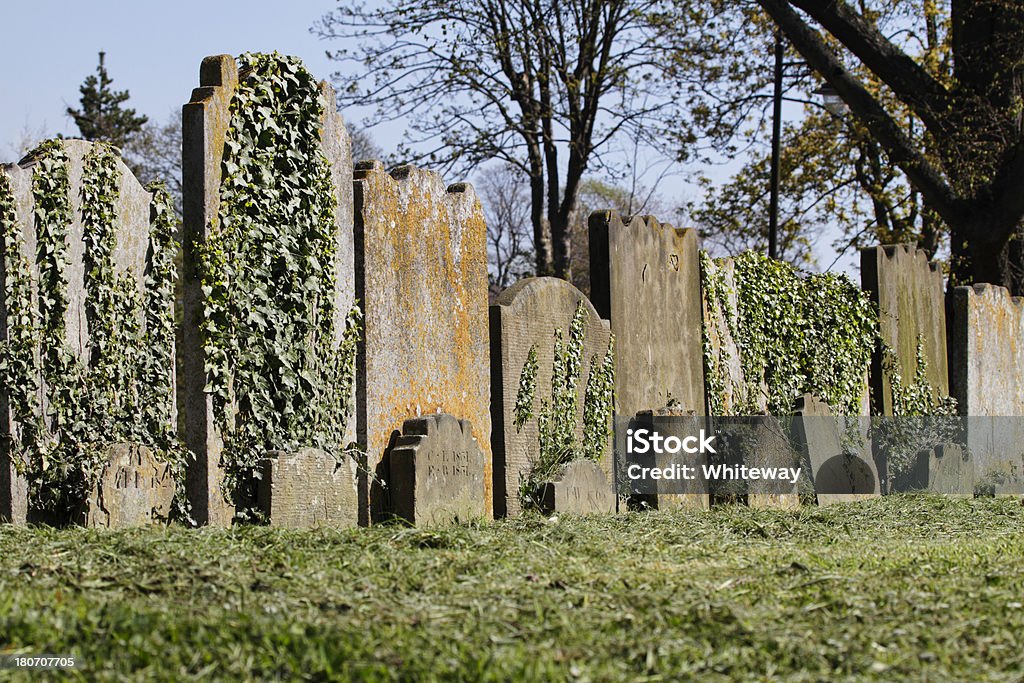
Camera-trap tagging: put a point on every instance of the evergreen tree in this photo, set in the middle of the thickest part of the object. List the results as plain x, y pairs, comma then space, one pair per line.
101, 116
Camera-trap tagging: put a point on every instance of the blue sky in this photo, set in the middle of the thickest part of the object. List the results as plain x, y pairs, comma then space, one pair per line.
153, 50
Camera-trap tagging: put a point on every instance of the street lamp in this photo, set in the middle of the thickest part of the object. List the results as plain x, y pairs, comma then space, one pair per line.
835, 106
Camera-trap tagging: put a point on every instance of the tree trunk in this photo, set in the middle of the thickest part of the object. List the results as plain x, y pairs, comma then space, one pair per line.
561, 236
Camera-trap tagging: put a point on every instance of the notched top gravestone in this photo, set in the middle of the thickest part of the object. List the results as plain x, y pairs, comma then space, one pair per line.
645, 279
421, 264
134, 489
437, 472
308, 488
206, 124
582, 489
910, 296
945, 469
523, 321
86, 309
838, 475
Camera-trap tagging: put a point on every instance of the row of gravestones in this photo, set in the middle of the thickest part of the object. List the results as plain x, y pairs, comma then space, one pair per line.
411, 254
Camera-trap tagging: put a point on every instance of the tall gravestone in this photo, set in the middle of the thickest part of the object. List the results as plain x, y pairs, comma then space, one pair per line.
92, 282
645, 279
206, 119
525, 316
421, 264
986, 371
910, 296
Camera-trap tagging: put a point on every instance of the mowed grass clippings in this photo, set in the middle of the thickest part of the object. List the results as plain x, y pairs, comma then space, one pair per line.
915, 587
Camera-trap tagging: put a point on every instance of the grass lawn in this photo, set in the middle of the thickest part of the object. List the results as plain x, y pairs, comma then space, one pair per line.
903, 587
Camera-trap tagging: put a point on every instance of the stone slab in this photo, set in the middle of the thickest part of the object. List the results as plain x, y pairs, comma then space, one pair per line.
308, 488
986, 371
668, 422
944, 469
758, 442
205, 122
525, 316
437, 472
910, 295
421, 275
582, 489
645, 279
838, 475
133, 489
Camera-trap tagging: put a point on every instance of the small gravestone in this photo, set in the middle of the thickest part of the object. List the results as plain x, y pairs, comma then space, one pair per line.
583, 489
838, 475
692, 494
134, 489
757, 443
944, 469
308, 488
437, 472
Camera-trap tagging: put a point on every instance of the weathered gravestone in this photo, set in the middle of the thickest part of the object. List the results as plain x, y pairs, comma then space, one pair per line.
838, 475
986, 377
219, 125
757, 443
645, 279
86, 311
134, 489
421, 264
308, 488
910, 296
437, 472
523, 322
680, 493
944, 469
581, 489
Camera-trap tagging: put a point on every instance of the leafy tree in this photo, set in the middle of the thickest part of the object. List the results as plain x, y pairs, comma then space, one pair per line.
544, 85
102, 117
966, 154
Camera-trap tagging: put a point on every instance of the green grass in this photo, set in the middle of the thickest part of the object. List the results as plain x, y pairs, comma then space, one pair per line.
907, 586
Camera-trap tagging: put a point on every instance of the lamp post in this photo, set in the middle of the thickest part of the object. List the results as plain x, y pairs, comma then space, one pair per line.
832, 102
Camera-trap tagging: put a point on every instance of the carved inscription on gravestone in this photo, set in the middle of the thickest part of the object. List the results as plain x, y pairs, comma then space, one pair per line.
437, 472
582, 489
308, 488
134, 488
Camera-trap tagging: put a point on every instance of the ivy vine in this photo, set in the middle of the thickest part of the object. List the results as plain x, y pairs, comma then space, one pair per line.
559, 414
276, 375
796, 333
114, 393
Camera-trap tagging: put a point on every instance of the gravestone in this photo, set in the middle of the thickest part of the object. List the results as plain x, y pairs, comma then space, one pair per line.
756, 442
645, 279
206, 121
838, 475
134, 489
582, 489
524, 317
109, 285
308, 488
421, 264
944, 469
739, 392
910, 296
986, 371
691, 494
437, 472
